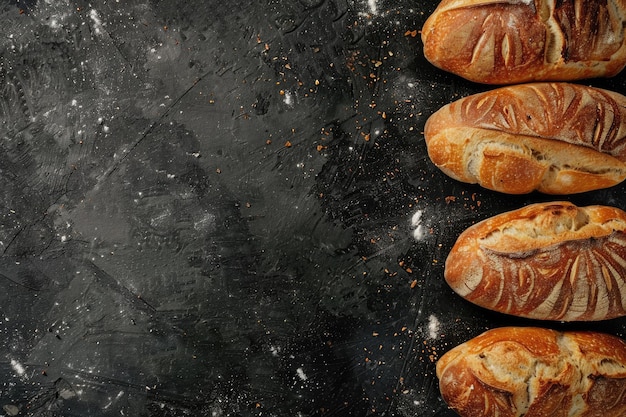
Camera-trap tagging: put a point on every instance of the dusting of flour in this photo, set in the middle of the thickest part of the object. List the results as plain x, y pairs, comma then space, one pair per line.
373, 7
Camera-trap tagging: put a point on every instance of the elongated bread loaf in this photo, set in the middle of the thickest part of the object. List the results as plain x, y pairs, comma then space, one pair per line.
515, 41
557, 138
535, 372
548, 261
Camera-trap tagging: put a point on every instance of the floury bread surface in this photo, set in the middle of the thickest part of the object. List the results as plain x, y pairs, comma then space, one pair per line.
515, 41
535, 372
547, 261
557, 138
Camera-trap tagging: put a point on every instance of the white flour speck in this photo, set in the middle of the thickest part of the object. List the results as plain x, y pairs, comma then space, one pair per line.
288, 98
275, 350
97, 23
416, 220
419, 231
17, 367
301, 374
372, 6
433, 326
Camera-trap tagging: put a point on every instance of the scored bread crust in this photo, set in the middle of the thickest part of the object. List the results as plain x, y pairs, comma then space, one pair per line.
557, 138
516, 41
546, 261
535, 372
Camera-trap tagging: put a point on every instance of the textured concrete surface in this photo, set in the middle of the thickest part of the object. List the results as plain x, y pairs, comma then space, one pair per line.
215, 208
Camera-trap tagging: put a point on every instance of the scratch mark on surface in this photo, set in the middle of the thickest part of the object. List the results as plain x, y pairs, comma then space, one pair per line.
126, 152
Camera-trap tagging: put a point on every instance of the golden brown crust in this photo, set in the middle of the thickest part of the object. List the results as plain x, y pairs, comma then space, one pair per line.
547, 261
535, 372
557, 138
515, 41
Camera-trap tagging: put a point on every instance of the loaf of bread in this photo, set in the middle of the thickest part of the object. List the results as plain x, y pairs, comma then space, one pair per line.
515, 41
557, 138
547, 261
535, 372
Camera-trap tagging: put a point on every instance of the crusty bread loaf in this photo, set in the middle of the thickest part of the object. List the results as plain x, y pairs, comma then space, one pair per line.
535, 372
515, 41
548, 261
557, 138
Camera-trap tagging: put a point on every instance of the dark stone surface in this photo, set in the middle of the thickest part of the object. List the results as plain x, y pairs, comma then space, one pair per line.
226, 209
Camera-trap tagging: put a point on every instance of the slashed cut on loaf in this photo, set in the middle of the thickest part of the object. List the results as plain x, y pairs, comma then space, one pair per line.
557, 138
515, 41
546, 261
535, 372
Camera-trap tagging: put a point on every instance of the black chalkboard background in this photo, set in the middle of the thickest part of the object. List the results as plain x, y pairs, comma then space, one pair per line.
225, 208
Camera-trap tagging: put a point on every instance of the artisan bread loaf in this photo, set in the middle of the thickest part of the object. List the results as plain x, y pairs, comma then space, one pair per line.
515, 41
548, 261
535, 372
557, 138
